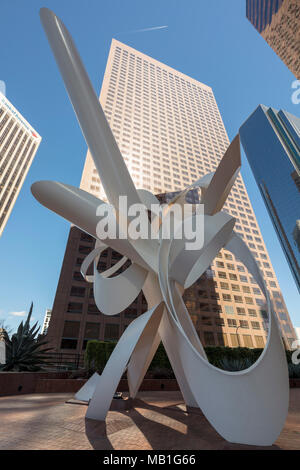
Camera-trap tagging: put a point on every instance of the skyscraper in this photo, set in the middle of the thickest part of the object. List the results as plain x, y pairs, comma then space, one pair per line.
170, 133
18, 145
278, 21
271, 140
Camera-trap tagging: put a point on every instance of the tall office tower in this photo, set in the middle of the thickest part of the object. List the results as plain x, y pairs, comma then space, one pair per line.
271, 140
18, 145
170, 133
278, 21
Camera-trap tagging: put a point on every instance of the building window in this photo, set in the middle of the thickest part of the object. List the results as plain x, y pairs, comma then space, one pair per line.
77, 276
70, 335
234, 340
227, 297
77, 291
93, 310
74, 307
229, 309
231, 323
240, 311
67, 343
248, 341
259, 342
252, 312
222, 339
111, 331
85, 237
71, 329
92, 331
209, 338
130, 313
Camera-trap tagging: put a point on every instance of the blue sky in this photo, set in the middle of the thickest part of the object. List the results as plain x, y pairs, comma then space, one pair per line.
211, 41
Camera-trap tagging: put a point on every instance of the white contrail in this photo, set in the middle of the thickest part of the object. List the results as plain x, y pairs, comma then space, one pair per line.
145, 29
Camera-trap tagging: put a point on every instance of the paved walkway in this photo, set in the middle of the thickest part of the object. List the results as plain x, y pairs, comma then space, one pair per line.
158, 421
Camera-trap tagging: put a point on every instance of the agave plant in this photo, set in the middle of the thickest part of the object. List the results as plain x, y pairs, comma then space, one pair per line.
235, 364
23, 350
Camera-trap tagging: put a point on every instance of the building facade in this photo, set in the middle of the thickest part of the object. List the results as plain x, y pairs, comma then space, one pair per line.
271, 140
171, 133
18, 145
278, 21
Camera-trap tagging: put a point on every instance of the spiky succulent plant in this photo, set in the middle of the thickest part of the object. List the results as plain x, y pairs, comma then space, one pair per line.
24, 352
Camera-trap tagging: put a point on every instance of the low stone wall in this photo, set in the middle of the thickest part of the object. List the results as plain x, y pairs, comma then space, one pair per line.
294, 383
17, 383
46, 385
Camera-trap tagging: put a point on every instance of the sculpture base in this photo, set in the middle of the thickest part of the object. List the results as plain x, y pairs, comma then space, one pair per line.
117, 404
194, 410
121, 404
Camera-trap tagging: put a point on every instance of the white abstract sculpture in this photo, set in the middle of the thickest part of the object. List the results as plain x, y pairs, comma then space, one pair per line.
249, 406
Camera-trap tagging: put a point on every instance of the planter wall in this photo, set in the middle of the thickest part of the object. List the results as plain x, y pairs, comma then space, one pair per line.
294, 383
17, 383
46, 385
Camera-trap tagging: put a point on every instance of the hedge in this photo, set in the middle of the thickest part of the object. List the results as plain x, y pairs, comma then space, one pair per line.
97, 354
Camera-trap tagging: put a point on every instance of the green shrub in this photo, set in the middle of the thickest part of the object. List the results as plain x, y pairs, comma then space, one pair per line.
160, 359
216, 354
294, 371
98, 352
162, 373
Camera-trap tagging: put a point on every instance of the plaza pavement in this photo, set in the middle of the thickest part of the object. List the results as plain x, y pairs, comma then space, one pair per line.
158, 421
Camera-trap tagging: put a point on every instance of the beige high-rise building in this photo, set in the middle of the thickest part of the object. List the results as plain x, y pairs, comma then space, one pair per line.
170, 132
18, 145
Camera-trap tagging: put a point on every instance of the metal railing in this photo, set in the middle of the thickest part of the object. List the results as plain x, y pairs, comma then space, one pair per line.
65, 361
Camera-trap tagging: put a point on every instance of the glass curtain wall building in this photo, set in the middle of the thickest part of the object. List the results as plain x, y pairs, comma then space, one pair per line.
271, 140
260, 12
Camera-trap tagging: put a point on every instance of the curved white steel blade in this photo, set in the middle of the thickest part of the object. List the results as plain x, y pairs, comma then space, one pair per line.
224, 177
242, 406
80, 207
86, 392
139, 332
104, 149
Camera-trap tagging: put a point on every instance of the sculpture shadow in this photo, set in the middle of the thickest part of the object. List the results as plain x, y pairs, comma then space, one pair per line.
164, 428
96, 432
191, 431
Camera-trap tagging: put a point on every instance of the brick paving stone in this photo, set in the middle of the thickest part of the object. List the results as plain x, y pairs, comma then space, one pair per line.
157, 421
